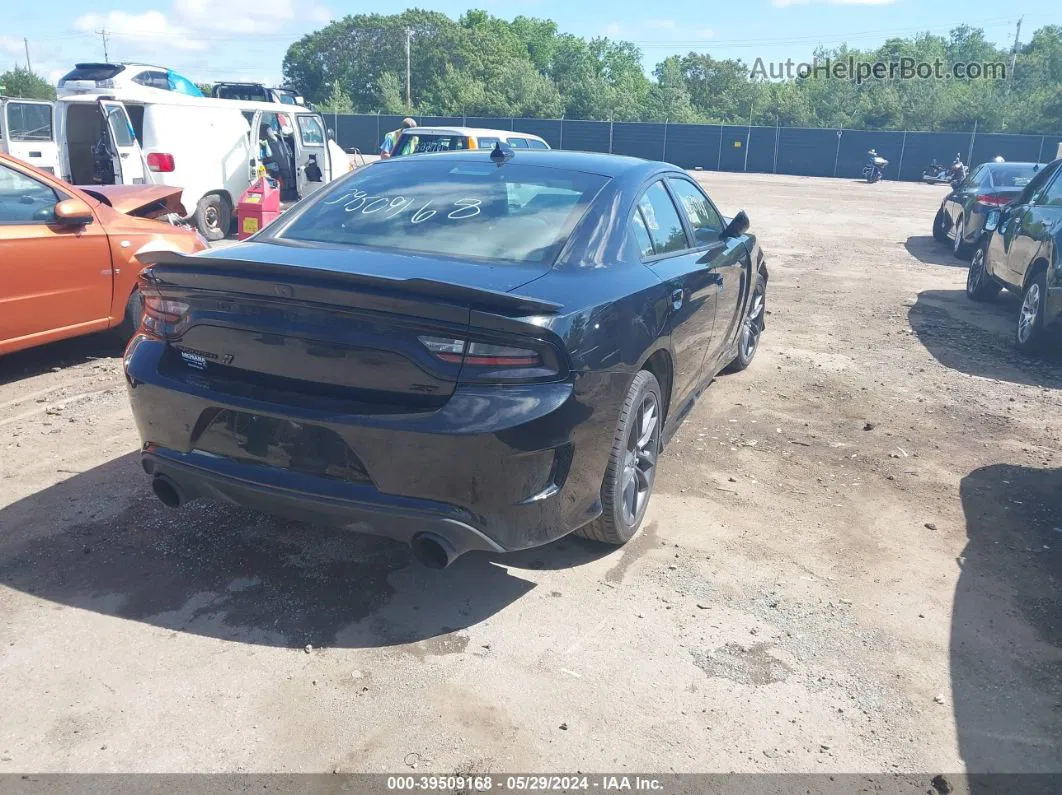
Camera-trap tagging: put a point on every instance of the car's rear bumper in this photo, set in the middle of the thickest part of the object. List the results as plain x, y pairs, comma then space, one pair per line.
497, 468
313, 499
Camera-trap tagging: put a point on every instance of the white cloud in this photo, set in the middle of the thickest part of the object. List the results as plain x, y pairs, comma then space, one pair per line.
12, 46
246, 16
150, 27
661, 24
788, 3
612, 29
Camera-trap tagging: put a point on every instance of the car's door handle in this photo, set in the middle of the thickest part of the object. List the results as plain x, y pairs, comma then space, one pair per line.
676, 299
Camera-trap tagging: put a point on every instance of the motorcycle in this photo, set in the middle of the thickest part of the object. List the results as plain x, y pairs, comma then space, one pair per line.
936, 174
874, 169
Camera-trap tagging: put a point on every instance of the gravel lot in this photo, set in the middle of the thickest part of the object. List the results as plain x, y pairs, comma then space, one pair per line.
851, 564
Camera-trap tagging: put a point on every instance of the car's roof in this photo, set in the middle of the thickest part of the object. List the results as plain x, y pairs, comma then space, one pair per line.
1004, 164
475, 132
589, 162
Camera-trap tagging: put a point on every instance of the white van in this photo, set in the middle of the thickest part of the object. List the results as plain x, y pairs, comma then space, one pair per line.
203, 145
27, 132
304, 133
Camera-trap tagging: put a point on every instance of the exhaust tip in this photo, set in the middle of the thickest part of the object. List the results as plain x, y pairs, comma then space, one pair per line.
166, 491
432, 551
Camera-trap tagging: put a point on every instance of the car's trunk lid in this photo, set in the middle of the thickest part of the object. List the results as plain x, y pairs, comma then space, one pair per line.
290, 324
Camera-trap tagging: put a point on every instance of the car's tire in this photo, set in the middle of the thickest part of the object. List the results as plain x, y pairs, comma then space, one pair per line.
959, 247
631, 471
940, 228
1030, 330
213, 216
134, 313
752, 326
980, 286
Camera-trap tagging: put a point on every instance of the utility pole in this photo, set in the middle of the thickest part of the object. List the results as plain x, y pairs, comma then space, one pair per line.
29, 66
103, 34
1014, 52
1013, 66
409, 102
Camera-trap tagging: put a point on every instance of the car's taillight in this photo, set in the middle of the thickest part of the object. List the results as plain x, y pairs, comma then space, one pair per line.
471, 142
994, 199
164, 318
160, 161
496, 361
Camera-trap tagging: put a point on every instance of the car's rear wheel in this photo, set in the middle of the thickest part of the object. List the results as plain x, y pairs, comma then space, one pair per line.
980, 286
213, 216
631, 469
751, 327
940, 228
1030, 332
959, 247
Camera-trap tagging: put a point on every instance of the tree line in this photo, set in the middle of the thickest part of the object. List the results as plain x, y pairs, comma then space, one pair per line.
480, 65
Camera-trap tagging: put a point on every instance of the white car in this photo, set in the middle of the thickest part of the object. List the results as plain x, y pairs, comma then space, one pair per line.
417, 140
131, 80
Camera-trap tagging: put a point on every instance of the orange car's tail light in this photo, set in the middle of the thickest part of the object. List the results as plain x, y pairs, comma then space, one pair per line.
161, 161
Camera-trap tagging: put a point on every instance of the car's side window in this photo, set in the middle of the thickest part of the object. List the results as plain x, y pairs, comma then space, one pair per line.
518, 143
1052, 195
536, 144
310, 131
706, 222
974, 177
1036, 185
641, 235
662, 220
23, 200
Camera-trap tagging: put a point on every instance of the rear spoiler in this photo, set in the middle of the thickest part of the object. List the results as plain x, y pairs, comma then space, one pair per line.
475, 297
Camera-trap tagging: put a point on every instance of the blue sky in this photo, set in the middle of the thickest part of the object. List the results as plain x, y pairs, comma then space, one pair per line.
246, 39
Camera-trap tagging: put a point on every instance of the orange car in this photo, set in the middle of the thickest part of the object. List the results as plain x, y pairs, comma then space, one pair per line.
68, 256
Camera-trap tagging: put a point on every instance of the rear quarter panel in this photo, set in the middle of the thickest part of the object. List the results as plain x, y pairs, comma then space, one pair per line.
128, 235
618, 322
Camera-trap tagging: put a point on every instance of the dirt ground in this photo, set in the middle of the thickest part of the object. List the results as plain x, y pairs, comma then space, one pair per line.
851, 564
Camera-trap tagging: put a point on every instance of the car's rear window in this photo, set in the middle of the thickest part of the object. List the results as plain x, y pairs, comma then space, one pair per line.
242, 93
92, 72
451, 207
29, 122
419, 143
1012, 176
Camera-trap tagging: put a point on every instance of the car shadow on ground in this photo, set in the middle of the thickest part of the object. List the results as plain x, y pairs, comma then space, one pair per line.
927, 250
1006, 636
57, 356
978, 339
225, 572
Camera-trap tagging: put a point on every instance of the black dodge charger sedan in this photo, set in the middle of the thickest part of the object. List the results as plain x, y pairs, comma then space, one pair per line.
478, 350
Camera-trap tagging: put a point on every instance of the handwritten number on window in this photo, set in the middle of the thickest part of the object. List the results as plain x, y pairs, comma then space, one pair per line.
466, 208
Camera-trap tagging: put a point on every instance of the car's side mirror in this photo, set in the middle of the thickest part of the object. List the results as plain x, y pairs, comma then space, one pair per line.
992, 220
331, 134
73, 212
739, 225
